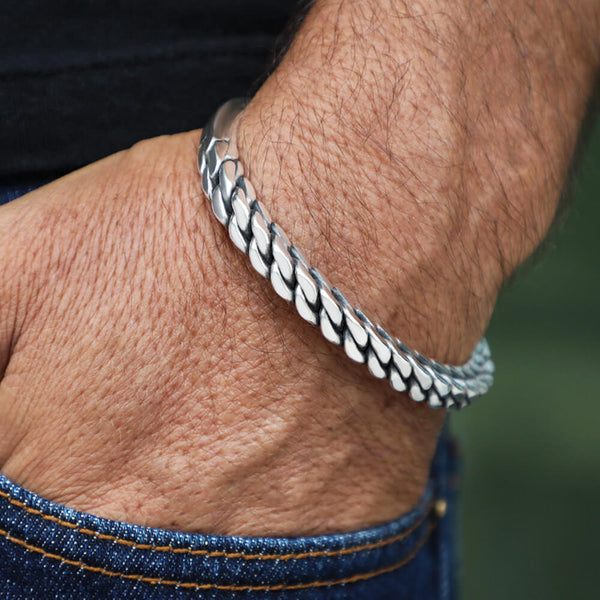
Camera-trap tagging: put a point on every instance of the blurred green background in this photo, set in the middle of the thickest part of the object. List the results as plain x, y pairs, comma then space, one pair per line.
531, 476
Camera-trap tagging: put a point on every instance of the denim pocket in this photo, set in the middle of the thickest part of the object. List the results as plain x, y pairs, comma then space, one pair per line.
51, 551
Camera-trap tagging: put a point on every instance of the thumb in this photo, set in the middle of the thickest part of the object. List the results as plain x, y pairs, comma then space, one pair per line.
12, 274
21, 231
8, 298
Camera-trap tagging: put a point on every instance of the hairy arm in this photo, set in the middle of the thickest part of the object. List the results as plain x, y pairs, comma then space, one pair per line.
427, 142
414, 150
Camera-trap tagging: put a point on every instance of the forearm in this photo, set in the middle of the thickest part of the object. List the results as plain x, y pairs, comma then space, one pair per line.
417, 150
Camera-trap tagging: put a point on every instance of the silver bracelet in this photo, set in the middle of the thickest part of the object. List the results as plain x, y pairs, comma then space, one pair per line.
251, 229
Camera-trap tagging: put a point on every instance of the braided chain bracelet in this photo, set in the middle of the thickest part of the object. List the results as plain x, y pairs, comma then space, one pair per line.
251, 229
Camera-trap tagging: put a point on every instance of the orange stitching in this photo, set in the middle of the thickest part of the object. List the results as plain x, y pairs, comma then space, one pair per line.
215, 553
231, 588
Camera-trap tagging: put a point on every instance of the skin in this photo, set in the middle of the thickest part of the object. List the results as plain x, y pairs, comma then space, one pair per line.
149, 375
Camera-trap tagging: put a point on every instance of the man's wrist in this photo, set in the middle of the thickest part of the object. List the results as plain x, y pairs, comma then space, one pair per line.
421, 198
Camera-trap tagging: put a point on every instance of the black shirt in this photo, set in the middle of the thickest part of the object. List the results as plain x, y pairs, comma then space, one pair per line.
80, 79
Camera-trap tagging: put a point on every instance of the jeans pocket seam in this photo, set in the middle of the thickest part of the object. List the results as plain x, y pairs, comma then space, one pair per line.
225, 587
224, 554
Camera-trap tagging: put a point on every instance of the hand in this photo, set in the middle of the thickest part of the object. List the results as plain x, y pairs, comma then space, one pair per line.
150, 375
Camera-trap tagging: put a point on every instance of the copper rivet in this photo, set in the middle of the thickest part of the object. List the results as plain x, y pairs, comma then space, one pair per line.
440, 507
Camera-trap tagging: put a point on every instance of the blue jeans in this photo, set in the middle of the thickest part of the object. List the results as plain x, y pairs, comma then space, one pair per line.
48, 551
